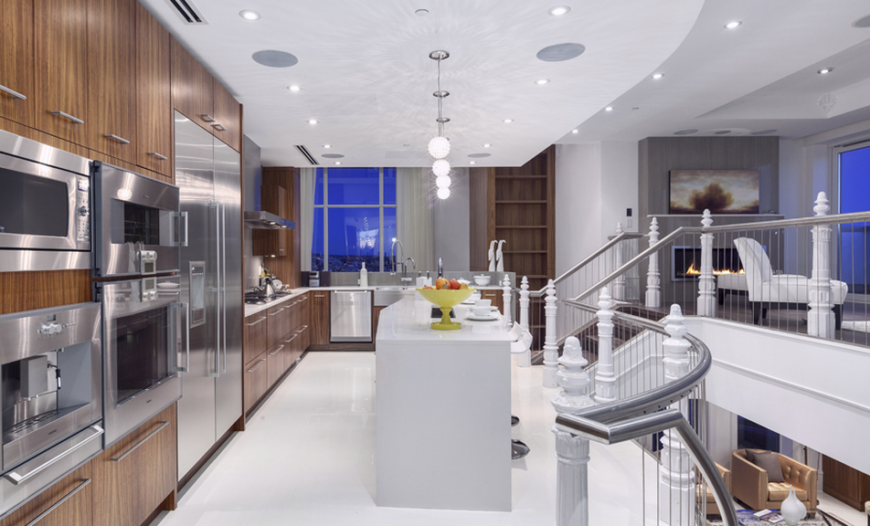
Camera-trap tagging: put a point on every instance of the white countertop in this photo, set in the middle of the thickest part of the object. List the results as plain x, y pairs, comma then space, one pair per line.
408, 321
250, 310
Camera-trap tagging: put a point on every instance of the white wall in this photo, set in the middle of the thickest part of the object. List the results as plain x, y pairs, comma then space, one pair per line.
619, 186
452, 235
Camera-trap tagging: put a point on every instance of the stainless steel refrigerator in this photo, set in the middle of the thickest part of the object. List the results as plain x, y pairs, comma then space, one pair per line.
208, 173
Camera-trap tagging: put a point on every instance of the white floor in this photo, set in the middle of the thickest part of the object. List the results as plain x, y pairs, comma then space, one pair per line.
307, 458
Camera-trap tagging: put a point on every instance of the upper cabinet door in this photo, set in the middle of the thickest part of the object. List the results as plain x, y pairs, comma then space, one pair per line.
192, 88
16, 66
111, 125
228, 114
60, 32
154, 105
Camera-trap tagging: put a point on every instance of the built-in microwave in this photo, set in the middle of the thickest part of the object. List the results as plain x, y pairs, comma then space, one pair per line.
45, 207
137, 225
145, 347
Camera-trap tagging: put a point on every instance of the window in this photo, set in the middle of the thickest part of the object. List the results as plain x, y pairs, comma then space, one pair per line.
855, 197
354, 218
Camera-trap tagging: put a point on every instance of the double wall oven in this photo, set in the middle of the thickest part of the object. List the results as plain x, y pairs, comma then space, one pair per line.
45, 207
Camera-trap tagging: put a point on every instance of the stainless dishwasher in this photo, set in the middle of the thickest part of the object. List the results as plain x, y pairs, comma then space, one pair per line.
350, 316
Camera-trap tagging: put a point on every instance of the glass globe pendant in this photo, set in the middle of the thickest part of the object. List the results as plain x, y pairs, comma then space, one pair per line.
443, 193
443, 181
439, 147
441, 167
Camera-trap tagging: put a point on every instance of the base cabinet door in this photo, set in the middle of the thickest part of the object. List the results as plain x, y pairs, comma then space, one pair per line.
319, 317
69, 502
136, 474
256, 380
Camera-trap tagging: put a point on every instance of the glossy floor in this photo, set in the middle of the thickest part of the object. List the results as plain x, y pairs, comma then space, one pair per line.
307, 458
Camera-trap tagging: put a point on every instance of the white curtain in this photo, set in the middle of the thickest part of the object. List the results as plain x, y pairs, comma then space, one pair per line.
305, 228
415, 217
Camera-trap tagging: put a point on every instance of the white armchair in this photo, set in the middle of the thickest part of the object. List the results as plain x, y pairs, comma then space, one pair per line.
766, 289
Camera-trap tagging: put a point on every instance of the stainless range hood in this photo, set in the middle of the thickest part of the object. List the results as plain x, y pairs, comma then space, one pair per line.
266, 221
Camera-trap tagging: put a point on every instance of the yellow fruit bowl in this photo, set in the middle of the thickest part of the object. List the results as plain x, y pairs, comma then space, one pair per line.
446, 300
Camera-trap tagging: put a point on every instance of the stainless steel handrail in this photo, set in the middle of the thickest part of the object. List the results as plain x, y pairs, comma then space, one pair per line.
604, 248
854, 217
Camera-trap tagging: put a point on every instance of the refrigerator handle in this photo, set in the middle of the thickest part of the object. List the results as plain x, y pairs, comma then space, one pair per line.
186, 223
185, 348
218, 289
223, 245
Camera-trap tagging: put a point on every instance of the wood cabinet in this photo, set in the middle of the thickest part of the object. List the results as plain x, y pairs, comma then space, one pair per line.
275, 360
256, 380
276, 324
319, 317
136, 474
16, 68
228, 117
256, 336
192, 87
496, 296
273, 243
73, 495
154, 123
60, 30
376, 316
845, 483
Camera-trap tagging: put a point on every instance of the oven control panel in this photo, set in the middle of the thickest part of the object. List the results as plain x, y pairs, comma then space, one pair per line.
83, 211
50, 329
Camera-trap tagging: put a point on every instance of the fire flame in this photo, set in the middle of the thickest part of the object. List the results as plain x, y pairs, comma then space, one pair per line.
692, 271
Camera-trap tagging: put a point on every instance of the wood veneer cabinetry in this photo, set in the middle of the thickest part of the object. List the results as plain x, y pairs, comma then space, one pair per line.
60, 30
74, 495
228, 117
273, 243
23, 291
256, 380
192, 87
319, 317
137, 473
256, 335
845, 483
16, 67
154, 124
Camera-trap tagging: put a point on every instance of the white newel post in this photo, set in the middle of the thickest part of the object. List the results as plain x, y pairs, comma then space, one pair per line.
676, 483
551, 350
619, 283
820, 321
506, 297
604, 378
653, 277
572, 451
525, 359
707, 282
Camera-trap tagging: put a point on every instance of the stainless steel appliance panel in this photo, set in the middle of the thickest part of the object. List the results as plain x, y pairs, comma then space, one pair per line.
194, 175
350, 316
228, 194
137, 219
143, 350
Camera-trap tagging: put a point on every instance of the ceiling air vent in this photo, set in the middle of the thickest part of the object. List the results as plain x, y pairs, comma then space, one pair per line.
188, 12
304, 151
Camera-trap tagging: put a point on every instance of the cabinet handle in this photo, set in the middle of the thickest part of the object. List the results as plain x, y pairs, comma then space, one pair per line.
161, 157
319, 296
276, 351
291, 339
258, 365
139, 444
256, 322
75, 120
116, 138
12, 92
218, 127
278, 312
59, 503
207, 118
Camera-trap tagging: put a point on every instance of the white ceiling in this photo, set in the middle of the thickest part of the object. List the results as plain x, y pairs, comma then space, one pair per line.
760, 76
366, 76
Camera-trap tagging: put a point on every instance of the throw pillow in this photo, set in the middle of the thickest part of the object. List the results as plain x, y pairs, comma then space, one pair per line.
769, 461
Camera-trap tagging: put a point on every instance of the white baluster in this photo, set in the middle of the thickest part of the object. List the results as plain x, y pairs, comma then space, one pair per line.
551, 350
572, 451
506, 297
619, 283
820, 321
525, 359
707, 283
676, 483
604, 377
653, 276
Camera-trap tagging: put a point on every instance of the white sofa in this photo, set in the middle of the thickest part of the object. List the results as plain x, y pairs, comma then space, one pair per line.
766, 289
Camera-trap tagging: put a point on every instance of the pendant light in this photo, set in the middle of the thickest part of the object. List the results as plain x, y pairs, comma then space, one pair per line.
439, 146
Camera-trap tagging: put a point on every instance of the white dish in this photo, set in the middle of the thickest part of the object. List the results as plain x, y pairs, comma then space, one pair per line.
482, 281
472, 317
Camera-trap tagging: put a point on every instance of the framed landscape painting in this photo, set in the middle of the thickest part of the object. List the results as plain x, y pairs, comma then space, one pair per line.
720, 191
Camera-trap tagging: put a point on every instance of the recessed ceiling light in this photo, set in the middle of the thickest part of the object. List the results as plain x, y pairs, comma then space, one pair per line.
422, 12
825, 71
472, 162
734, 24
559, 10
508, 121
247, 14
575, 131
609, 108
312, 121
294, 88
487, 145
541, 82
657, 76
327, 146
337, 163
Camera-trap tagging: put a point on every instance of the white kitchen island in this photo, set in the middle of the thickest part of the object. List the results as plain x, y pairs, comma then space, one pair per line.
443, 412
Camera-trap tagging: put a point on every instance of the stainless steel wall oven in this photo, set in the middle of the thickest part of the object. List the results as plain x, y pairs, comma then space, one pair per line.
145, 350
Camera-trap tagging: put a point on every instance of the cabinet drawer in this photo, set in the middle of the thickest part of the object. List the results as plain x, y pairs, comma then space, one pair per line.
256, 380
292, 342
275, 359
277, 324
256, 335
69, 502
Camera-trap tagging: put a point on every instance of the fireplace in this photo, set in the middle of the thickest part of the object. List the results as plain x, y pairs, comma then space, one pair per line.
686, 262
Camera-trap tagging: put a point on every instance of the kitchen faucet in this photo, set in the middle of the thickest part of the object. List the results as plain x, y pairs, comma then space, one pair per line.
405, 278
440, 269
393, 256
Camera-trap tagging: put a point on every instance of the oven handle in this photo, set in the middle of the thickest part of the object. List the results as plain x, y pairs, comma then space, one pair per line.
223, 242
17, 479
178, 242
